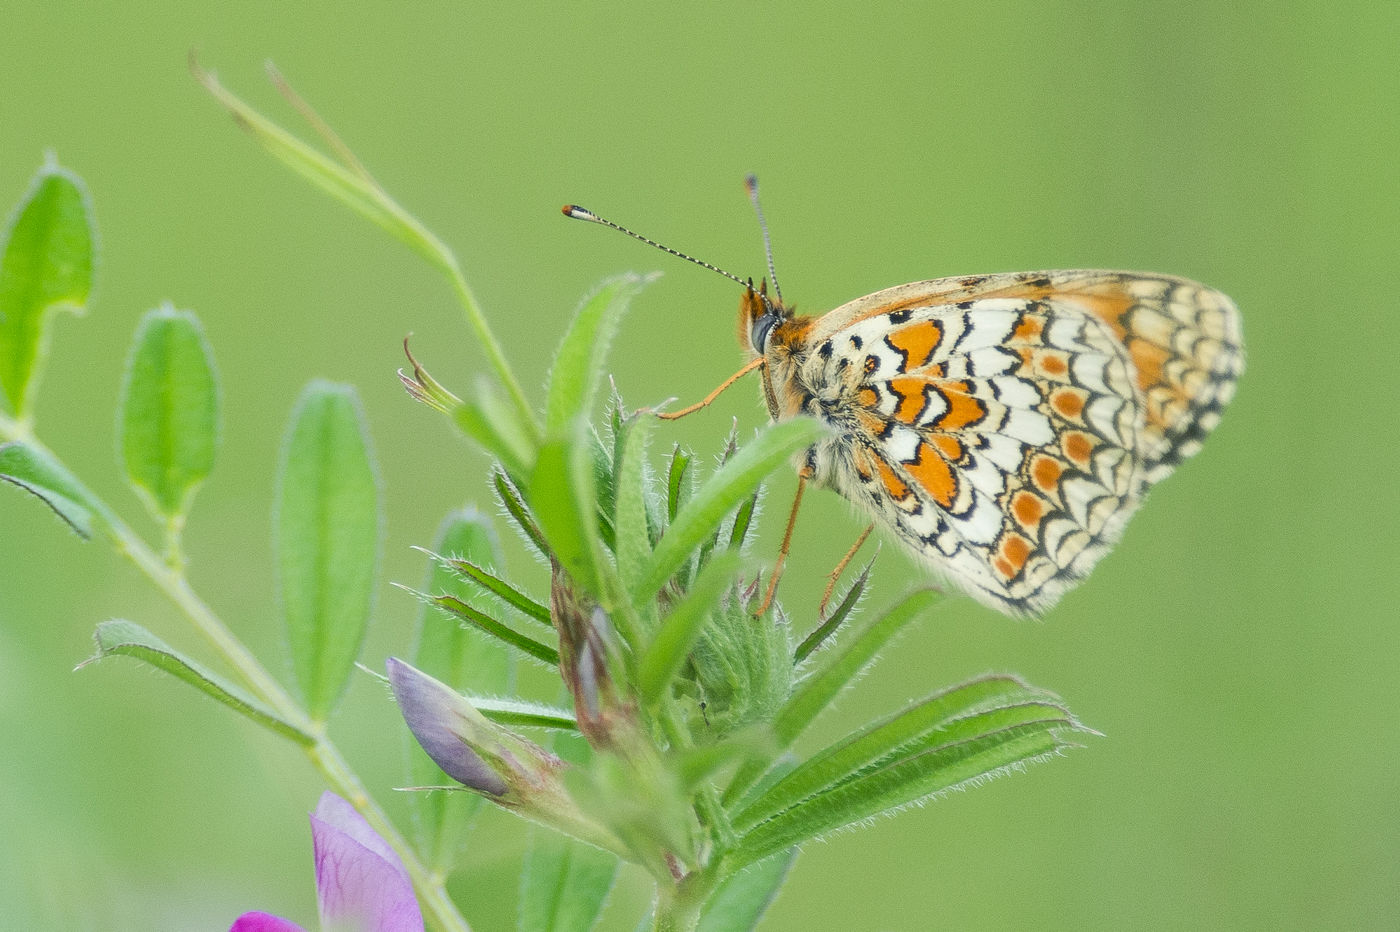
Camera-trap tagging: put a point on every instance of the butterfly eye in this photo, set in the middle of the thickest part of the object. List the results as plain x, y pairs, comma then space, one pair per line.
759, 333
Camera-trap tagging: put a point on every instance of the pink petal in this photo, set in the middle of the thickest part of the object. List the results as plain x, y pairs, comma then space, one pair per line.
360, 883
263, 922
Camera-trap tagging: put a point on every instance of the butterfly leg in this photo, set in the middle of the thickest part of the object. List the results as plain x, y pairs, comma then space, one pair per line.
835, 576
673, 415
783, 550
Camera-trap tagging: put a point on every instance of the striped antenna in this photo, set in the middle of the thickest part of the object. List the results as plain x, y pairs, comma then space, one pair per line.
751, 183
583, 213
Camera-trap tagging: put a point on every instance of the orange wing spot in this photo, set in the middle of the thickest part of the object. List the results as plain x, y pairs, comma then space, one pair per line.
1148, 359
1077, 446
1052, 364
936, 372
1046, 472
917, 342
933, 473
867, 397
1012, 555
1028, 328
893, 484
951, 448
1110, 307
963, 409
1028, 508
910, 393
1068, 402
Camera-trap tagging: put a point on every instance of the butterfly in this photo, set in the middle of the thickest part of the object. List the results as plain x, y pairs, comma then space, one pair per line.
1003, 427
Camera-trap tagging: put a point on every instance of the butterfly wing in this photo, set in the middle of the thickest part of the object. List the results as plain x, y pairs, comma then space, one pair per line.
1006, 426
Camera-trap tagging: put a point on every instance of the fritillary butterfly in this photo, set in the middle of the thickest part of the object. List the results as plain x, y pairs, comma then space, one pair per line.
1003, 426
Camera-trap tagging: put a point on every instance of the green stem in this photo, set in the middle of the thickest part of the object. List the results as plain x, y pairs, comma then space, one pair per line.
494, 354
324, 755
678, 906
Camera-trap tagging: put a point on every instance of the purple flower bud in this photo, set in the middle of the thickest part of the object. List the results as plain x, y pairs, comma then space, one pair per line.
435, 715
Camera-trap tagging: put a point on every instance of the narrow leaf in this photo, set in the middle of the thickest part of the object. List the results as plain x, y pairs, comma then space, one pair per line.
519, 514
675, 482
519, 712
349, 184
934, 718
487, 419
503, 633
46, 264
578, 365
838, 667
829, 625
907, 779
722, 492
668, 650
633, 537
169, 412
501, 589
47, 479
742, 519
465, 659
564, 883
743, 897
327, 539
130, 639
562, 500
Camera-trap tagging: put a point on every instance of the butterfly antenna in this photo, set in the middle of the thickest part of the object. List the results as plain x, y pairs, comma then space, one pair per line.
582, 213
751, 183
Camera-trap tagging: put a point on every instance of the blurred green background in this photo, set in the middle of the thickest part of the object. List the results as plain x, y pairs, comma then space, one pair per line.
1239, 649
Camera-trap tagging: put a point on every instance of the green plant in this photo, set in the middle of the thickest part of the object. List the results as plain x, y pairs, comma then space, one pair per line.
678, 746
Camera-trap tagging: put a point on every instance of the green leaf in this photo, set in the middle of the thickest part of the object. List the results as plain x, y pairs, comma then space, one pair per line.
349, 183
47, 264
578, 365
988, 745
169, 412
47, 479
562, 500
327, 539
676, 489
633, 538
564, 883
733, 482
934, 718
837, 667
519, 712
130, 639
518, 513
466, 660
503, 633
493, 424
501, 589
743, 897
829, 625
668, 650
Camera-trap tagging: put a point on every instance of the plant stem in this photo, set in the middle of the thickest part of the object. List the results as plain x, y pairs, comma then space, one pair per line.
678, 905
324, 755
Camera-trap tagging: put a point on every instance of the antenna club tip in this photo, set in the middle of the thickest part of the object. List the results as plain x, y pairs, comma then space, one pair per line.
751, 182
579, 213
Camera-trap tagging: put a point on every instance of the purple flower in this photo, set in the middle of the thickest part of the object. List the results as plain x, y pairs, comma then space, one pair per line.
361, 885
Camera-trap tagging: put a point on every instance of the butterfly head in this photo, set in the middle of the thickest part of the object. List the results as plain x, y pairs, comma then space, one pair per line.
758, 316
